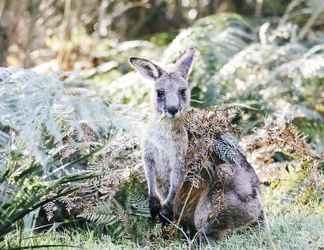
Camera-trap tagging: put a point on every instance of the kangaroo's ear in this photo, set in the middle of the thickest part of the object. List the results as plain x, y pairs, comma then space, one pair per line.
146, 68
184, 63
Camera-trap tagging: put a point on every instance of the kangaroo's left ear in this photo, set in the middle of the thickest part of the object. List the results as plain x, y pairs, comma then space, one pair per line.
146, 68
184, 63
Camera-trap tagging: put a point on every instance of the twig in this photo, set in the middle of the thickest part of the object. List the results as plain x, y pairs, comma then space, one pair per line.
289, 9
189, 241
185, 204
2, 7
310, 22
258, 8
267, 226
177, 227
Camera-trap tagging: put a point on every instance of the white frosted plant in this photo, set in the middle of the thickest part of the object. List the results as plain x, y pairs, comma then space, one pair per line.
289, 72
217, 39
35, 106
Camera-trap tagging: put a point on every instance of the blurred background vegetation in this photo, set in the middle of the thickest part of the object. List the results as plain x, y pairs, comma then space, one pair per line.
80, 34
71, 124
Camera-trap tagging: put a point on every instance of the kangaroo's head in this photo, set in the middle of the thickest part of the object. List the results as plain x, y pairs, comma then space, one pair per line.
171, 93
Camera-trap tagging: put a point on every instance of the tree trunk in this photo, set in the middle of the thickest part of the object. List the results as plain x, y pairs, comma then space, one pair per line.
4, 45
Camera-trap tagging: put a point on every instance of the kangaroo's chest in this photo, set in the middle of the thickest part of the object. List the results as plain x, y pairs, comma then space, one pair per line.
168, 148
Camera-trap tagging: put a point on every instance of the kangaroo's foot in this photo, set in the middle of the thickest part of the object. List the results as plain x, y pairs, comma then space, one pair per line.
260, 223
166, 214
209, 236
155, 206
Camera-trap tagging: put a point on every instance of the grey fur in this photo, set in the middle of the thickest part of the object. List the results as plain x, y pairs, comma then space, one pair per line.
164, 151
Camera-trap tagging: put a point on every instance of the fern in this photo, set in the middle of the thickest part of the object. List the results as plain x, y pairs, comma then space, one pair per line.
48, 134
138, 204
36, 108
119, 218
286, 160
23, 191
217, 38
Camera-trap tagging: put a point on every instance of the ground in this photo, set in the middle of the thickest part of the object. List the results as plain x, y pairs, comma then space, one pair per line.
291, 227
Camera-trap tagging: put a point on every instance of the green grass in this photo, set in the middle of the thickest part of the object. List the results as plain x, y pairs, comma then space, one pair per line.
291, 227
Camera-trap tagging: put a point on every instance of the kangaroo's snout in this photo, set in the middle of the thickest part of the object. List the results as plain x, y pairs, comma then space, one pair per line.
172, 111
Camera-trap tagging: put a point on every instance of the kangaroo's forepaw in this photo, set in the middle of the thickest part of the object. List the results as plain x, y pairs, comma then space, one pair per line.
155, 206
166, 214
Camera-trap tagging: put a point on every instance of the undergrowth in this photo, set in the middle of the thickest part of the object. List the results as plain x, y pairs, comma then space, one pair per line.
55, 130
291, 227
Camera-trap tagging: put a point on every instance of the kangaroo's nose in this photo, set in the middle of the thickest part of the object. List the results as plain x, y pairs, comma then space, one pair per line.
172, 110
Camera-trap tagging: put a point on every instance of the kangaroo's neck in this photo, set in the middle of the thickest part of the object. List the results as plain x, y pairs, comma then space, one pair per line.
175, 125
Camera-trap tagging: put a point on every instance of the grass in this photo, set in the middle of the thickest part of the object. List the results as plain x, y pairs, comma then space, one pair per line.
291, 227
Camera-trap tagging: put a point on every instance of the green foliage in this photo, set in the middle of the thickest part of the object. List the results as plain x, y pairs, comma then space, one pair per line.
24, 190
48, 136
314, 130
163, 39
126, 215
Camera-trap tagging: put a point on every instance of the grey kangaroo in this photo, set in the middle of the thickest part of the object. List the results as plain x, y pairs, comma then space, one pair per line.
164, 153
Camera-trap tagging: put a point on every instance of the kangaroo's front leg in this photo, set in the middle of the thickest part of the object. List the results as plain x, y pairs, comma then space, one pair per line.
150, 174
176, 178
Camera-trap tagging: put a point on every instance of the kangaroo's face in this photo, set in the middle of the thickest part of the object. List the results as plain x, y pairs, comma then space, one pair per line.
171, 95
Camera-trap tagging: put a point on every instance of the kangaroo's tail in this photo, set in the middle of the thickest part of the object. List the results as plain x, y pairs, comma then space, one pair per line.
228, 150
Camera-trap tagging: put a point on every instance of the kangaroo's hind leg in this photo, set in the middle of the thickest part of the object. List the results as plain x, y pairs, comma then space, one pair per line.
234, 204
207, 221
210, 218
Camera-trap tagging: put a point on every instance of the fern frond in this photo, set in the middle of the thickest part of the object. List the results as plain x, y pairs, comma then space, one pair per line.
36, 108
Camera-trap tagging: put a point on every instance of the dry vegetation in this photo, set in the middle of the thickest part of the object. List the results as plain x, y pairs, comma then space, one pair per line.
70, 160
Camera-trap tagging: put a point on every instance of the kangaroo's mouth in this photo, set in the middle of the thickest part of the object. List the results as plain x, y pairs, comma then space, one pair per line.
173, 116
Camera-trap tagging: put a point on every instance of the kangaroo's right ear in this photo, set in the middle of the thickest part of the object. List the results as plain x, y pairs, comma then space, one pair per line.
146, 68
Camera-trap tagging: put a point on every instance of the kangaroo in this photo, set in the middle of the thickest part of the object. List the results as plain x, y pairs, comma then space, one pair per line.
164, 154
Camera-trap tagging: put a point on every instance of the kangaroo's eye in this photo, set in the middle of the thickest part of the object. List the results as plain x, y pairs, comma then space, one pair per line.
160, 93
182, 92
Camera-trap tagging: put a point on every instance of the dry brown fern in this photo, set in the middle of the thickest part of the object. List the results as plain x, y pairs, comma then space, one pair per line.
203, 127
283, 157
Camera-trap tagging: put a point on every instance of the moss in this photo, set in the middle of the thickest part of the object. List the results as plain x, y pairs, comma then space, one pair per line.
162, 39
